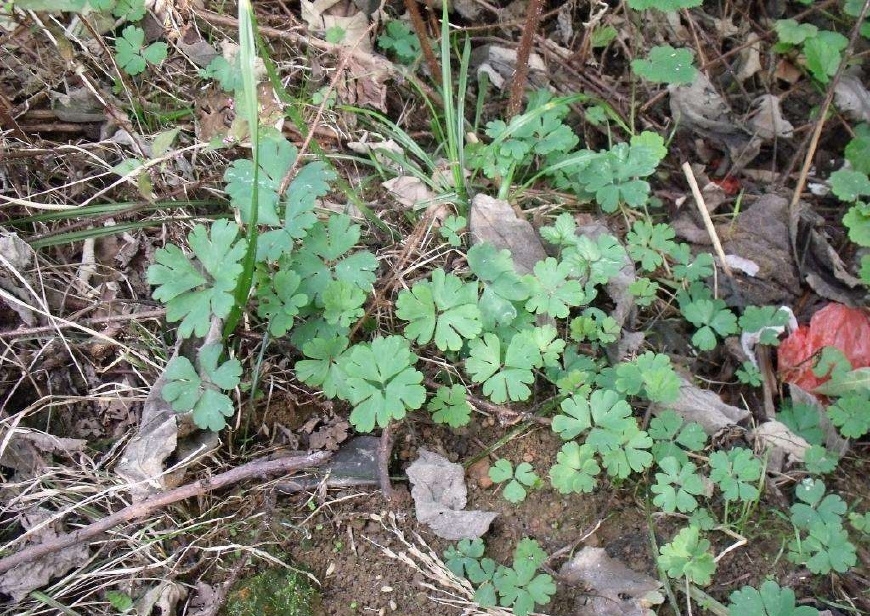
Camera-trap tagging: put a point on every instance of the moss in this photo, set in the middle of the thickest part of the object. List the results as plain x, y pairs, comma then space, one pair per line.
275, 592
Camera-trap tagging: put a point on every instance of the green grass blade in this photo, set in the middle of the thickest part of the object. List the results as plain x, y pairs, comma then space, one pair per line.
250, 111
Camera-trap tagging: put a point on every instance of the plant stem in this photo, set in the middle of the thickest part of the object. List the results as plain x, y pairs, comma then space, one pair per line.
521, 73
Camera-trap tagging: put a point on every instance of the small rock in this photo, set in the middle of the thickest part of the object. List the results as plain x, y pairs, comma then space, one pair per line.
479, 472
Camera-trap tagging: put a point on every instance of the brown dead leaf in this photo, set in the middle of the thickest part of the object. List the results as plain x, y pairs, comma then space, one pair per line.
611, 588
494, 221
19, 581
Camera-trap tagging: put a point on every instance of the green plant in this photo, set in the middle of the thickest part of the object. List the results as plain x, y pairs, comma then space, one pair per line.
450, 406
612, 433
848, 411
131, 53
401, 40
821, 543
120, 601
519, 587
576, 469
768, 600
663, 5
677, 485
444, 308
649, 244
664, 64
709, 315
822, 49
194, 291
451, 228
688, 556
523, 475
749, 374
673, 437
201, 392
736, 472
382, 384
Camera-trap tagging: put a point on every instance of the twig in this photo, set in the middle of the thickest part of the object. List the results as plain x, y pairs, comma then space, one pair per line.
158, 501
23, 332
705, 215
423, 37
521, 73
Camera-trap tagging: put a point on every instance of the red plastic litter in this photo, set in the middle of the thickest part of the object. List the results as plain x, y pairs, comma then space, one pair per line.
836, 325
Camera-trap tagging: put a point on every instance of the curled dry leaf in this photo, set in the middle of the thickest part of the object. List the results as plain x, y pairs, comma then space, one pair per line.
611, 588
704, 407
494, 221
440, 496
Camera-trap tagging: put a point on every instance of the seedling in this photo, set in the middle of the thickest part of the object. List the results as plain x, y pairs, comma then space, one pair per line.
519, 587
688, 556
518, 479
131, 53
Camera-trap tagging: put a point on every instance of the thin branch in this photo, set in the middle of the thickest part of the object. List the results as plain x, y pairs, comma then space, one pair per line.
521, 73
158, 501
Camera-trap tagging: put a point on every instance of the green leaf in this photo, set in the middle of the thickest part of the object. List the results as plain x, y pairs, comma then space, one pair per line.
651, 375
769, 600
343, 303
279, 301
551, 290
401, 40
129, 52
130, 10
382, 383
736, 472
823, 54
710, 316
647, 243
451, 228
191, 296
186, 390
450, 406
501, 284
826, 548
676, 486
576, 418
820, 461
849, 185
851, 414
803, 420
276, 156
322, 369
794, 33
323, 257
857, 220
615, 435
858, 150
463, 559
501, 471
765, 321
688, 268
688, 556
666, 65
575, 469
445, 308
507, 380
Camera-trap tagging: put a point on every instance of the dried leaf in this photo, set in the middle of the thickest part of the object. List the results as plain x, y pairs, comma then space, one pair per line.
439, 493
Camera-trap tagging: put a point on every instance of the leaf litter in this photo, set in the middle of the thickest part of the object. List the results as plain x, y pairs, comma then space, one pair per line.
760, 236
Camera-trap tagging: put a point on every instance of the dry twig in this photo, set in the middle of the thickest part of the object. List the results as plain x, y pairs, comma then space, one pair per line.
158, 501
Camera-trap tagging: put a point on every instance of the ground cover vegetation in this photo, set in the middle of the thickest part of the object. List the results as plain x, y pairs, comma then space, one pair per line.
311, 258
